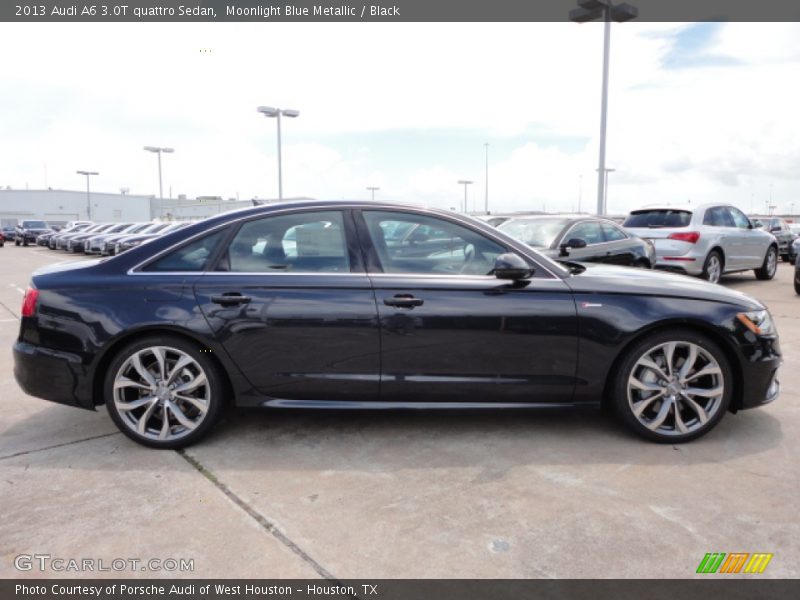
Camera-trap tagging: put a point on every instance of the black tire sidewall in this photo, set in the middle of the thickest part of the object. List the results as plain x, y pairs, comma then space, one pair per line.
619, 391
762, 272
216, 383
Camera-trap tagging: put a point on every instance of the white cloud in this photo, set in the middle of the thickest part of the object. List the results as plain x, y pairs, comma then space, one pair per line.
709, 132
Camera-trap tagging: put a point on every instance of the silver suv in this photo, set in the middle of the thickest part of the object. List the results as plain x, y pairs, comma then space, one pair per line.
705, 241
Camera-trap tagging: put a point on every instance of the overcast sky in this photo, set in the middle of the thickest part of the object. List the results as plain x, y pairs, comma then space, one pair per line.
698, 112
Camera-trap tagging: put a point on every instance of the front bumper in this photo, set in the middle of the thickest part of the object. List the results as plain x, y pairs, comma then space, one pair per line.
760, 381
52, 375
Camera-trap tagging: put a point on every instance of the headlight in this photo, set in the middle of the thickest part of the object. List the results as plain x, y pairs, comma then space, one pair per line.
758, 321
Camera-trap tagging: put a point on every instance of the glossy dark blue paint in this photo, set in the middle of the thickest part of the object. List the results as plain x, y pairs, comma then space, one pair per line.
552, 339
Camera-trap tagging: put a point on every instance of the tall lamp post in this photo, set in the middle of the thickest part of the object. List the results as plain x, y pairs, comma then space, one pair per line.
276, 113
158, 150
605, 190
486, 198
465, 183
594, 10
373, 190
88, 193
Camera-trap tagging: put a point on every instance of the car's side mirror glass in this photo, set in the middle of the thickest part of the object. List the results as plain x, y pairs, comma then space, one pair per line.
511, 266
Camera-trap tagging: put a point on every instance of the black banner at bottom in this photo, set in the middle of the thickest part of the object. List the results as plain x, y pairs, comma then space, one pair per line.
733, 588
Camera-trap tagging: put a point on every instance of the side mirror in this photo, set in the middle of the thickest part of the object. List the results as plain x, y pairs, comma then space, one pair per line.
511, 266
571, 244
775, 230
757, 224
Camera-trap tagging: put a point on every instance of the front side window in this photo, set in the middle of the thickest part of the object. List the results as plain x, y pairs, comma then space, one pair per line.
440, 247
191, 257
305, 242
589, 232
612, 233
739, 218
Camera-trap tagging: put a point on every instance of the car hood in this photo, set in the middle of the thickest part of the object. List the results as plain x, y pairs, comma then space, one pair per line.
608, 279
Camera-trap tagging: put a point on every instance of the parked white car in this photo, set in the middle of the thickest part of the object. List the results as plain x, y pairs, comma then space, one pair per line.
705, 241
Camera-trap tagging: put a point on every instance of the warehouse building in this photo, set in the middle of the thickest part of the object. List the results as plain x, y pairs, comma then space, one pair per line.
57, 207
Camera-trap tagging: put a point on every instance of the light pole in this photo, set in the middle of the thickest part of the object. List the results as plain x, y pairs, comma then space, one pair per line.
465, 183
269, 111
158, 150
373, 190
580, 192
593, 10
486, 198
88, 194
605, 190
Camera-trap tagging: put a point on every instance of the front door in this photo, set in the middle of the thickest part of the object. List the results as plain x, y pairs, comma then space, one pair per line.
451, 332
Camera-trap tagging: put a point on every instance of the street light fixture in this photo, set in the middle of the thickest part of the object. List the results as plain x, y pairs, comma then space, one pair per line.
88, 194
593, 10
276, 113
465, 183
373, 190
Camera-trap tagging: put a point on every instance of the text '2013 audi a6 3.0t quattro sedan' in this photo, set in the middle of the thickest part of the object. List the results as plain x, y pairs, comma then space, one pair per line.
318, 305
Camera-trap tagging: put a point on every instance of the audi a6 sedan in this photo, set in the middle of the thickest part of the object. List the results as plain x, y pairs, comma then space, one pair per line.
306, 305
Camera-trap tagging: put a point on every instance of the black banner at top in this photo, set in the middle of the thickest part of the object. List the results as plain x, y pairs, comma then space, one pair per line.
392, 10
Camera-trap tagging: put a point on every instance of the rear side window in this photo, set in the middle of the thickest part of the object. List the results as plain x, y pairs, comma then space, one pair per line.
718, 216
612, 233
658, 218
191, 257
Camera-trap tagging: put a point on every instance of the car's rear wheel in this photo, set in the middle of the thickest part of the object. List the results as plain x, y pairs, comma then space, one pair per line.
162, 392
769, 266
673, 386
712, 268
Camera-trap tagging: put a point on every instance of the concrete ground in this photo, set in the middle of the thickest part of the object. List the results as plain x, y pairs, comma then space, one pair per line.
405, 495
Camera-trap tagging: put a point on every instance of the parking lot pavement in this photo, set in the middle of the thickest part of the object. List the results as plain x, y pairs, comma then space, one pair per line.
283, 494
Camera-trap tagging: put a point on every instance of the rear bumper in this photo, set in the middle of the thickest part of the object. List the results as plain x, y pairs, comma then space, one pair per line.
52, 375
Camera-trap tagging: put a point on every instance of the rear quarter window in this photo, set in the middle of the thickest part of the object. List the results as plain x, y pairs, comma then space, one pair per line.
658, 218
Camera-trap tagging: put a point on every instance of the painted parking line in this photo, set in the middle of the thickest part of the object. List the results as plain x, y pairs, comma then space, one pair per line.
19, 289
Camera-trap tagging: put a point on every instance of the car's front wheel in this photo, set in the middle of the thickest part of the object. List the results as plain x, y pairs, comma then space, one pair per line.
673, 386
163, 392
769, 266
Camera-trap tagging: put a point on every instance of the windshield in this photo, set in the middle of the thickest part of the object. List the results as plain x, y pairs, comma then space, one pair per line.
658, 217
538, 233
34, 225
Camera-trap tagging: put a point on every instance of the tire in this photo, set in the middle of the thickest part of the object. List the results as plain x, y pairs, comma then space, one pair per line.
796, 284
16, 242
770, 265
642, 264
667, 412
151, 399
713, 267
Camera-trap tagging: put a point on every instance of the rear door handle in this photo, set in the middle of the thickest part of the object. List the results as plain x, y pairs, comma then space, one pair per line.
403, 301
231, 299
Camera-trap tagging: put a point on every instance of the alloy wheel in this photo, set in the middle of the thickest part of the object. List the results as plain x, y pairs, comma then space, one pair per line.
714, 268
675, 388
772, 263
161, 393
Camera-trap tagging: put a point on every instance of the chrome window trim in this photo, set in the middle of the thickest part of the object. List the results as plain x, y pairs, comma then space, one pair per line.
466, 222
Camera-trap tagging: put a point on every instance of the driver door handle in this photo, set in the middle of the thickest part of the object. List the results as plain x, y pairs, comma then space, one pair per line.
231, 299
403, 301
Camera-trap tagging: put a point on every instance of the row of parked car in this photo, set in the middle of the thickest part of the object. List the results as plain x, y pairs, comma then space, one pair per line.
705, 241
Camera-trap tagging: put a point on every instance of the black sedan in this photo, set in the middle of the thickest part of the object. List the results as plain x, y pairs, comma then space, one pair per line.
585, 239
306, 305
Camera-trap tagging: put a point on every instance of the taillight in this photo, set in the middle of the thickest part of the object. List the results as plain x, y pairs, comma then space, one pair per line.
29, 302
689, 236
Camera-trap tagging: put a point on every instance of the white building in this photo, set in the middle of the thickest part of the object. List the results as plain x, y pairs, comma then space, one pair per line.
59, 206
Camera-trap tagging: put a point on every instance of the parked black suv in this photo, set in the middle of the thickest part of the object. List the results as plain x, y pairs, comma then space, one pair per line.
27, 232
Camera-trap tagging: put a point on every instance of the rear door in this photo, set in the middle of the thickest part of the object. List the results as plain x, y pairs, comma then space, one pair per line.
753, 243
291, 302
452, 332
